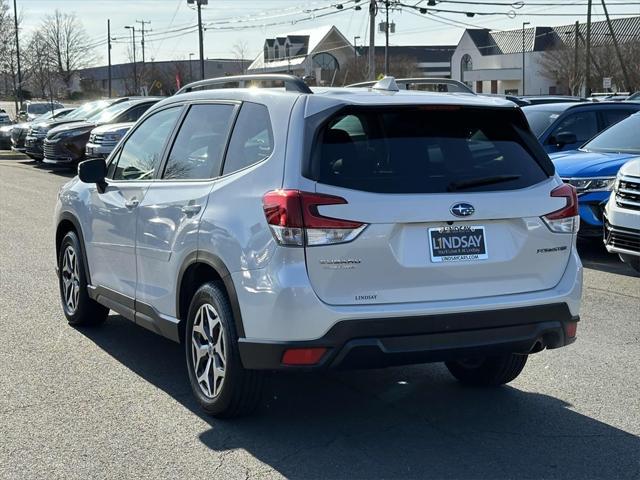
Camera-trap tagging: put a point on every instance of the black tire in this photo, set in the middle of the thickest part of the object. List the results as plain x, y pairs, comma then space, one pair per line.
489, 371
87, 311
240, 390
632, 260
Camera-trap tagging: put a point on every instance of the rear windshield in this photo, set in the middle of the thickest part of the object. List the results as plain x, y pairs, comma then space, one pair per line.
427, 150
540, 120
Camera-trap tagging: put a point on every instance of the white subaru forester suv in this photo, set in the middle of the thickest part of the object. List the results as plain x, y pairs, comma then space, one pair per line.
297, 229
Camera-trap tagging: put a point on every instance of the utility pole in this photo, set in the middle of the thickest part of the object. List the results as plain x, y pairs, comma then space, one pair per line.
109, 52
372, 39
142, 30
587, 70
190, 67
135, 68
524, 90
625, 74
576, 89
201, 40
386, 39
19, 89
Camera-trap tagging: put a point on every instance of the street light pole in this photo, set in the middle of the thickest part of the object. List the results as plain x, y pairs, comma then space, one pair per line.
372, 39
199, 4
135, 68
355, 47
19, 89
524, 24
386, 39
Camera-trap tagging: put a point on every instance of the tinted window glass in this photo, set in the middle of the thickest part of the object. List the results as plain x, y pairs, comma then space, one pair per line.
414, 150
142, 151
252, 138
540, 120
584, 125
199, 146
622, 137
611, 117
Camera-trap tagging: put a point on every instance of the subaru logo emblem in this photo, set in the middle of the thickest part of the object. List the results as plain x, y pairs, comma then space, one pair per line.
462, 209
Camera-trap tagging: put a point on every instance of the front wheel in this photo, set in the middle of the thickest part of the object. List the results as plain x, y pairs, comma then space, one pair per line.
78, 307
222, 386
488, 371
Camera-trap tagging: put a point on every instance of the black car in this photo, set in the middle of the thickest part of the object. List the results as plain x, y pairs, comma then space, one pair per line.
66, 144
19, 131
35, 137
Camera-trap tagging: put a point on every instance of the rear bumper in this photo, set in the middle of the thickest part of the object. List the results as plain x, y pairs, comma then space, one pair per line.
373, 343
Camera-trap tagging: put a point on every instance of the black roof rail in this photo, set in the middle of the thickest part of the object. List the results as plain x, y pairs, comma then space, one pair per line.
291, 82
404, 83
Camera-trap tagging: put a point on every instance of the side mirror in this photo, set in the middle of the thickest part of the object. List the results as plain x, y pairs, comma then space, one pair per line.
93, 171
565, 138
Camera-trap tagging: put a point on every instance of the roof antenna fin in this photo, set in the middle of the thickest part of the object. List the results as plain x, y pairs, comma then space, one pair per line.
387, 84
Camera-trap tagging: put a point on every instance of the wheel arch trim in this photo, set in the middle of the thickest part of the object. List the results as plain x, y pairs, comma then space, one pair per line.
218, 265
70, 217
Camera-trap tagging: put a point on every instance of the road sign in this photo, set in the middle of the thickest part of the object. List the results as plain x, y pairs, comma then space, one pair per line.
606, 82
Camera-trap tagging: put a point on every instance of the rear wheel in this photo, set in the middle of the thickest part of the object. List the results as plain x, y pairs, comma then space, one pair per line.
78, 307
488, 371
221, 385
632, 260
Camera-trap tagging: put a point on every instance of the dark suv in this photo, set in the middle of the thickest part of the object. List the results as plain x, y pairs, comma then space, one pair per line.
566, 126
66, 144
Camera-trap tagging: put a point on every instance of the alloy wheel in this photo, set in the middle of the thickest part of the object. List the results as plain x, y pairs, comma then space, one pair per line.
70, 279
208, 351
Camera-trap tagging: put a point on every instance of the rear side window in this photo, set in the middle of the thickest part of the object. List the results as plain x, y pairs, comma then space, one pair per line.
613, 116
252, 138
426, 150
199, 146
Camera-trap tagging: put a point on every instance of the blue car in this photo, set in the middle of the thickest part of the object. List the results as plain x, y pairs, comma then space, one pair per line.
566, 126
592, 169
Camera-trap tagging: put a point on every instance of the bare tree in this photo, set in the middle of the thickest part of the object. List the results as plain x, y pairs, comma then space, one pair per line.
558, 65
240, 51
40, 66
67, 45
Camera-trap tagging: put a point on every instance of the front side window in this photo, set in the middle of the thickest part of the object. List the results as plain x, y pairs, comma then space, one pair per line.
199, 146
584, 125
142, 151
426, 150
252, 138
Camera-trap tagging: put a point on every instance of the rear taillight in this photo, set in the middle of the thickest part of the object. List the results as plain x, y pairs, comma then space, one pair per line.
294, 219
565, 220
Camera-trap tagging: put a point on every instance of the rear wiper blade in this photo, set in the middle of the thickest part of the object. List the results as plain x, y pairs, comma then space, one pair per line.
480, 181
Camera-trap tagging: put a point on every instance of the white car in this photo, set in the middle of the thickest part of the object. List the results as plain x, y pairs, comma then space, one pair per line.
104, 139
622, 215
5, 119
305, 229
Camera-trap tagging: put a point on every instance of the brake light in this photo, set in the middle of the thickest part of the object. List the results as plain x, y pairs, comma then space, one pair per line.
565, 220
294, 219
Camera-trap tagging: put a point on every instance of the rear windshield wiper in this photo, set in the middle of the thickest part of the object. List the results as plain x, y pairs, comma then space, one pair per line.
480, 181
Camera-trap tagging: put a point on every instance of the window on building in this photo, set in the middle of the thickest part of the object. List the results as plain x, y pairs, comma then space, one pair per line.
326, 61
466, 65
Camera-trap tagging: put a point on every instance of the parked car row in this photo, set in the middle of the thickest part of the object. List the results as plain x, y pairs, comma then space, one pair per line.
67, 136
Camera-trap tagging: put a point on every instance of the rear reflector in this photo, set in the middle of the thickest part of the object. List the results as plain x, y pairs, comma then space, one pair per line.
565, 220
572, 328
294, 219
303, 356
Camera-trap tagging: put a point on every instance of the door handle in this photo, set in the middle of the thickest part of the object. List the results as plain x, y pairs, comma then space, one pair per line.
191, 209
133, 203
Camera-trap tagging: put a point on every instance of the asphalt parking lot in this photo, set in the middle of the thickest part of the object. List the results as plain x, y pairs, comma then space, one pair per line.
115, 402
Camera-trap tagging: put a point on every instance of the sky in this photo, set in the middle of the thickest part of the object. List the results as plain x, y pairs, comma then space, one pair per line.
229, 22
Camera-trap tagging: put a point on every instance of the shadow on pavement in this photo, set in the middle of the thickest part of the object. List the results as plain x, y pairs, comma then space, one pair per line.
595, 256
411, 422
